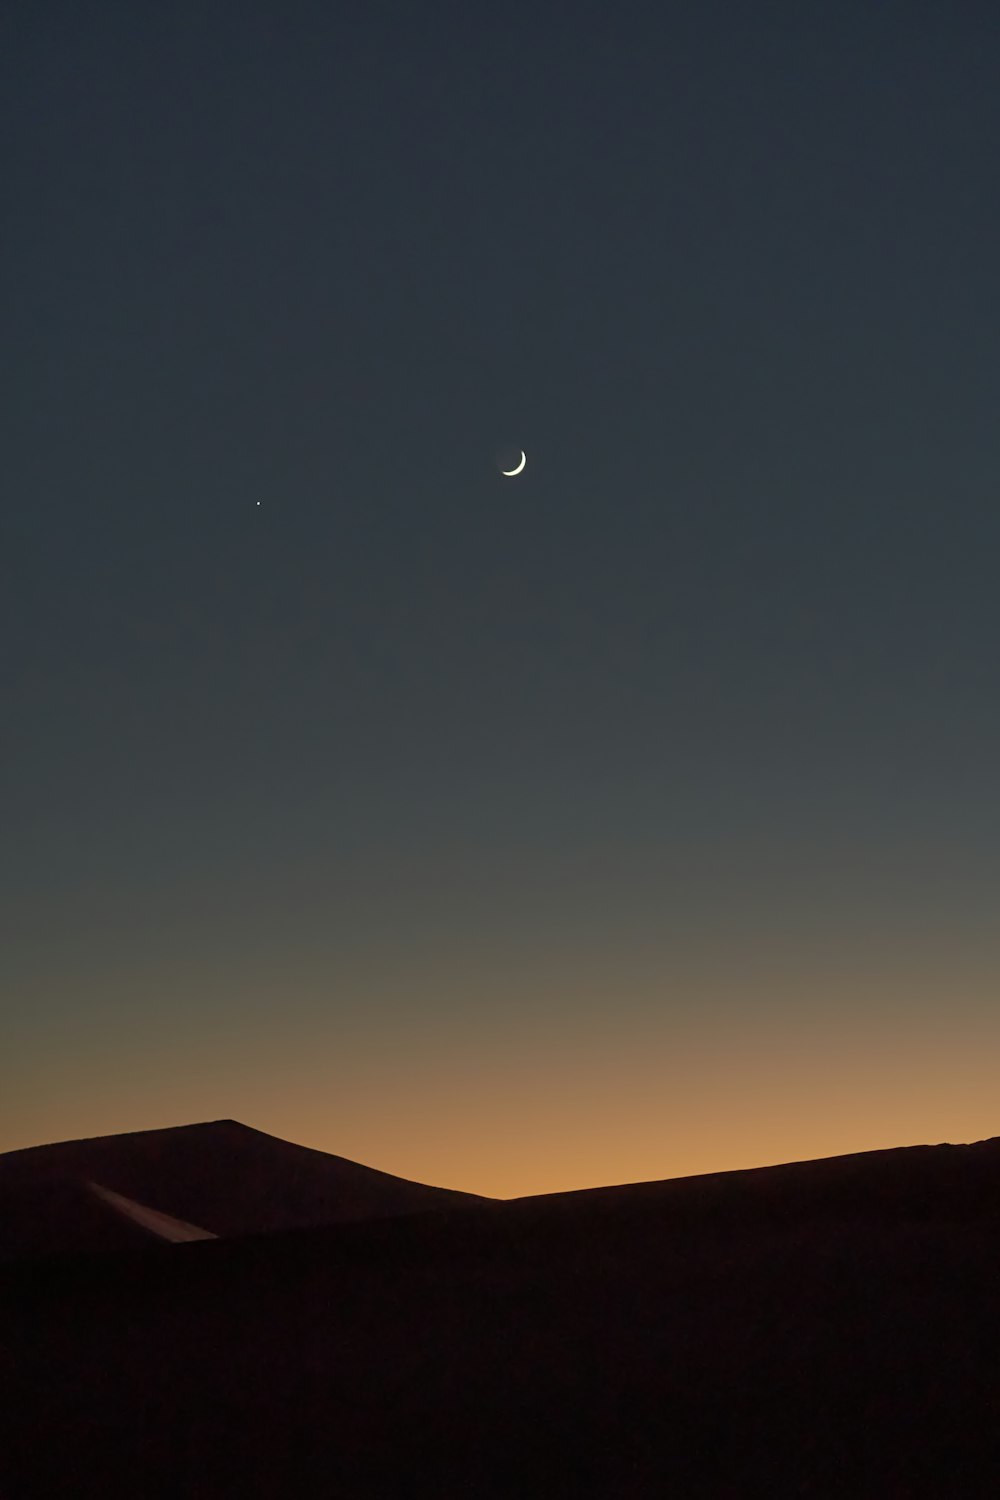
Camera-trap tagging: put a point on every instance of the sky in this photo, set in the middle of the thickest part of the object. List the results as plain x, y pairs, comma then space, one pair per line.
633, 817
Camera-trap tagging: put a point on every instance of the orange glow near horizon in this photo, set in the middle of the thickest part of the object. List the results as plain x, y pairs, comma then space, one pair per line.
531, 1107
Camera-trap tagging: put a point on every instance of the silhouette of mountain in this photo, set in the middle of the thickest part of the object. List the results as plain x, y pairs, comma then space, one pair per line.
222, 1177
938, 1181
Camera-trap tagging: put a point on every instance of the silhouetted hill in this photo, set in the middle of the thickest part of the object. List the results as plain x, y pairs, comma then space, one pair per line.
825, 1328
222, 1176
938, 1181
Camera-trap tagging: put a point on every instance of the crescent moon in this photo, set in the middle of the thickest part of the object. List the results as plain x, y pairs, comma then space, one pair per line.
511, 472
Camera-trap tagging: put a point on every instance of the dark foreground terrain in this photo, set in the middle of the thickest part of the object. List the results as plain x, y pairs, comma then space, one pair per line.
824, 1329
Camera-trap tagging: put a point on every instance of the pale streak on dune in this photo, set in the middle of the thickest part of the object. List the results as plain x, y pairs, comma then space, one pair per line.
164, 1226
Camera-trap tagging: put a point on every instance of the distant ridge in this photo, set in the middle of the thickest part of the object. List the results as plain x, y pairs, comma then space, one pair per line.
219, 1178
222, 1179
893, 1168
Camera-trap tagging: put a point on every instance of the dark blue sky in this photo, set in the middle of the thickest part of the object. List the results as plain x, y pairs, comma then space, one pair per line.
294, 680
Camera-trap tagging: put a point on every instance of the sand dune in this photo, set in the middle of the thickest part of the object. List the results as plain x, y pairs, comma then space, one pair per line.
219, 1178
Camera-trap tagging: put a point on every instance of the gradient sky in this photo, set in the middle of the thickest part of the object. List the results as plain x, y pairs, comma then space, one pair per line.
635, 817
